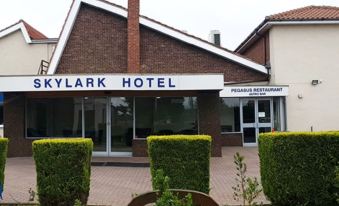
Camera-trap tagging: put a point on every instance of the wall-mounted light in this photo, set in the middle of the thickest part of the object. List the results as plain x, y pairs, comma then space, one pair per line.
316, 82
300, 96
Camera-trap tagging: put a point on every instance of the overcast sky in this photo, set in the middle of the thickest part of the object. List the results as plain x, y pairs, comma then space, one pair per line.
234, 18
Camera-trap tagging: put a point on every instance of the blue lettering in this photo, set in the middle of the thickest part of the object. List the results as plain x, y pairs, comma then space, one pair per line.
89, 81
161, 82
48, 83
37, 83
171, 84
136, 84
58, 81
101, 82
78, 83
67, 84
128, 82
149, 82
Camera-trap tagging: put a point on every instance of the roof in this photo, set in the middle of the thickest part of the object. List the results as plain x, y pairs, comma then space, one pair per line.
150, 23
305, 15
30, 34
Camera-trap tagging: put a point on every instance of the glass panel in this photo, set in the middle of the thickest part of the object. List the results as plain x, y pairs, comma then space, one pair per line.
248, 107
175, 115
121, 124
277, 113
264, 111
1, 114
144, 114
95, 122
230, 114
165, 116
249, 135
59, 117
265, 129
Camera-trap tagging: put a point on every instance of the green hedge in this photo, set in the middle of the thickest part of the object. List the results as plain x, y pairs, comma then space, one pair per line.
299, 168
63, 170
3, 156
185, 159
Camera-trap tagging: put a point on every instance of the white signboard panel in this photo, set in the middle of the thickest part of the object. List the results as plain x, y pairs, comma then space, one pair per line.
254, 91
111, 82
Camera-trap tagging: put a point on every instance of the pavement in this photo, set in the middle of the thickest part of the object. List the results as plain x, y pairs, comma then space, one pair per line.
111, 185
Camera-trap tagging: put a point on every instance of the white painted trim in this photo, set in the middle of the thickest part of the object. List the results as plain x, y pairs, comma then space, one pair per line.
148, 23
14, 28
269, 24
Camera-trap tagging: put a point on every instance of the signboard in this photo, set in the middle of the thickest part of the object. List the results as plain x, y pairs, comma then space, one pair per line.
254, 91
111, 82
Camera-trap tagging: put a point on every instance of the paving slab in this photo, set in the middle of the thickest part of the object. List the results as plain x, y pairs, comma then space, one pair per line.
111, 185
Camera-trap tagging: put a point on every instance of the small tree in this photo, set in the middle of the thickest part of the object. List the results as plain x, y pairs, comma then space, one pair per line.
247, 189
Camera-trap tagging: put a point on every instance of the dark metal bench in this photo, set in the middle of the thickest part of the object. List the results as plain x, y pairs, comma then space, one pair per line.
199, 198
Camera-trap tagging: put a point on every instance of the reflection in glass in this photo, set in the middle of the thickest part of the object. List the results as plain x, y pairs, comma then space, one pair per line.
249, 135
165, 116
265, 129
58, 117
248, 107
121, 124
95, 122
277, 112
230, 114
264, 111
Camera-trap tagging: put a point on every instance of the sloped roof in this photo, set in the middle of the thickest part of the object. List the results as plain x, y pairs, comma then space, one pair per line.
148, 22
307, 13
31, 35
32, 32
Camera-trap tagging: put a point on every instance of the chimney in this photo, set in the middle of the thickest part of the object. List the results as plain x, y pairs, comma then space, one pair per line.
133, 32
215, 37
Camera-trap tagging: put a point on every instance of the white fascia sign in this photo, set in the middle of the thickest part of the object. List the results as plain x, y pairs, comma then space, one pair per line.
254, 91
108, 82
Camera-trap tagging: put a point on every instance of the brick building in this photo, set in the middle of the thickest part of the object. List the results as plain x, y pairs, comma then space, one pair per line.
117, 77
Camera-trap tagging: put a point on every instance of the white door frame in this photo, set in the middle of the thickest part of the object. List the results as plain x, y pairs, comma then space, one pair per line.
255, 124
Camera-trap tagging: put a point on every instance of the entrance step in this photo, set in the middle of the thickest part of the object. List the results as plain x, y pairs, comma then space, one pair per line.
120, 161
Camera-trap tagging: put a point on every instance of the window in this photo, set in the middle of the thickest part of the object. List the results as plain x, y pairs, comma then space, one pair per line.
230, 115
165, 116
59, 117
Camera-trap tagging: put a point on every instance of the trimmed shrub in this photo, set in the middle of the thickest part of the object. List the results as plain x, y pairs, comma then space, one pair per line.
3, 156
299, 168
63, 169
185, 159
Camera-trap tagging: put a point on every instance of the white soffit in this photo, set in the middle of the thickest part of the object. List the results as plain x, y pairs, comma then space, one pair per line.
14, 28
148, 23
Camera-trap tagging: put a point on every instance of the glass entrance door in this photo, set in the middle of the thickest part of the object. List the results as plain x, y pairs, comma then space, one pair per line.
257, 118
120, 126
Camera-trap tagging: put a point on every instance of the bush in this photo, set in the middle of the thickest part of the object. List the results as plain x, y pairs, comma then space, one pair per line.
63, 170
185, 159
3, 156
299, 168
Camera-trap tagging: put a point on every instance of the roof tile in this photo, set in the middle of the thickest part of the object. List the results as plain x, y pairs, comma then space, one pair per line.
307, 13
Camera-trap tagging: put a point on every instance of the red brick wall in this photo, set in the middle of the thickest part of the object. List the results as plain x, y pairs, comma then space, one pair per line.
98, 44
231, 139
259, 50
133, 36
14, 125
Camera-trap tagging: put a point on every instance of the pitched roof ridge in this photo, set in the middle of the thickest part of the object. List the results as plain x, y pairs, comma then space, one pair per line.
7, 27
33, 33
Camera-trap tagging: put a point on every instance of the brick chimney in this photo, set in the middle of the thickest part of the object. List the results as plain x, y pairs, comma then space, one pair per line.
133, 30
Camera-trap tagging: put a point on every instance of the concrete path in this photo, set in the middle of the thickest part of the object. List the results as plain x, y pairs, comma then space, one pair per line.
116, 185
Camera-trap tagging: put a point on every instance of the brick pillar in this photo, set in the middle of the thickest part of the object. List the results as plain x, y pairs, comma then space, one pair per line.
209, 119
14, 125
133, 30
